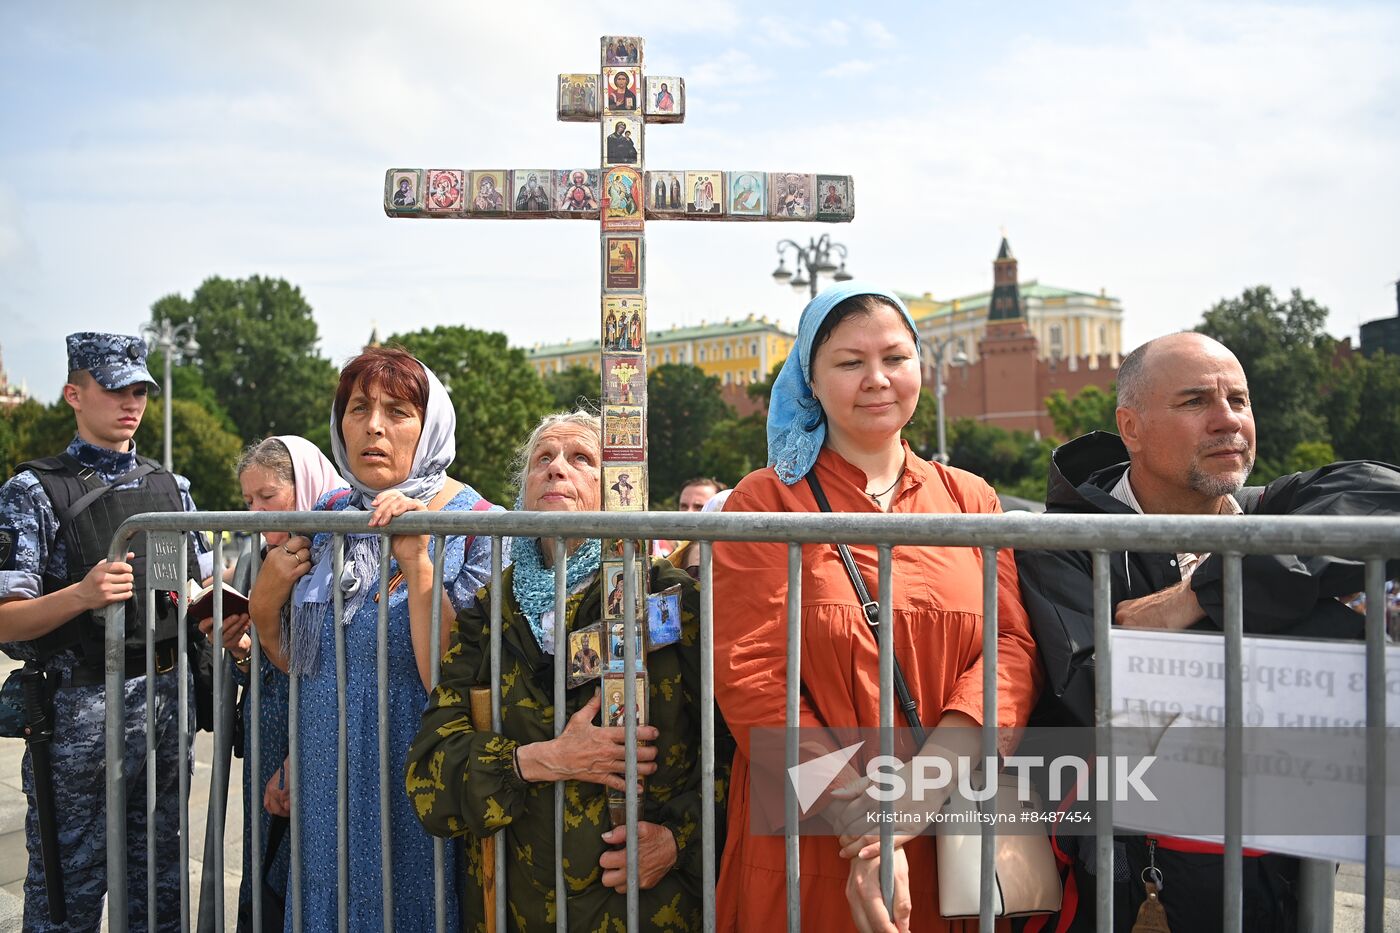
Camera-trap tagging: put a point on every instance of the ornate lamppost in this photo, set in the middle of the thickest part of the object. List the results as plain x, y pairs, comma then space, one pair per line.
172, 339
811, 261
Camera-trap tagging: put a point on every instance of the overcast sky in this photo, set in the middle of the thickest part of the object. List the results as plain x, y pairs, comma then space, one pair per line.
1172, 153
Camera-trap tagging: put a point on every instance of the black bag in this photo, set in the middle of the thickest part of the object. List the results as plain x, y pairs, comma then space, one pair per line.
202, 670
274, 905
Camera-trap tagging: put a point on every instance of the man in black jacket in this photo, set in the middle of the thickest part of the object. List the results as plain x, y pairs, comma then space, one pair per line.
1186, 446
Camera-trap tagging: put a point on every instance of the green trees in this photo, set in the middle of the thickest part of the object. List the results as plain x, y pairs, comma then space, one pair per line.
257, 353
497, 396
1092, 409
684, 406
32, 429
1362, 408
572, 387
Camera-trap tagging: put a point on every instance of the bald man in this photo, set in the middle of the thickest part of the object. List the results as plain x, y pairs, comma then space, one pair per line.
1186, 446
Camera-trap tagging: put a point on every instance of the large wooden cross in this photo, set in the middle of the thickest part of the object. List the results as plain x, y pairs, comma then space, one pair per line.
622, 195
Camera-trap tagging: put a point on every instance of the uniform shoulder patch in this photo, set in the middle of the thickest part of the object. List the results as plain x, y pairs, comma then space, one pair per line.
8, 538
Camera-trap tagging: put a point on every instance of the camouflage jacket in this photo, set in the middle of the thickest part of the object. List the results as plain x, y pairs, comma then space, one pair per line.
463, 782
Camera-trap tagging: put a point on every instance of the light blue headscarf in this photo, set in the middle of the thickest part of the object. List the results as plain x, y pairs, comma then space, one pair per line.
796, 424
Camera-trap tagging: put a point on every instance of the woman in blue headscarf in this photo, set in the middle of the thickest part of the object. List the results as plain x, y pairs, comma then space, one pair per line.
392, 437
848, 388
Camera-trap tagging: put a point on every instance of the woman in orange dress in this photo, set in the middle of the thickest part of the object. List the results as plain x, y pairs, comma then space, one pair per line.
848, 387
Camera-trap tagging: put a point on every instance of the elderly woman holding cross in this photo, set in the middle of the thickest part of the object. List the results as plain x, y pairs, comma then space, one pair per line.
469, 781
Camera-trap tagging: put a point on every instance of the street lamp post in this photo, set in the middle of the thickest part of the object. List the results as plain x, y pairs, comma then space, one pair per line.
172, 339
958, 358
811, 261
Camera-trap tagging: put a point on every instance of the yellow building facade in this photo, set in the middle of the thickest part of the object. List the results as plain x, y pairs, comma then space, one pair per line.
737, 353
1079, 328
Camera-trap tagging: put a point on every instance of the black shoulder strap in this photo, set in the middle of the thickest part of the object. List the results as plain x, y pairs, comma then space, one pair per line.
97, 490
871, 609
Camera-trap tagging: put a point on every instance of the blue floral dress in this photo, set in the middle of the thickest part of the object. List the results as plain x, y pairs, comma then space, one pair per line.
412, 848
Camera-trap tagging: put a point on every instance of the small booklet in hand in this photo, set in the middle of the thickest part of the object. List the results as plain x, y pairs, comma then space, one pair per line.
202, 604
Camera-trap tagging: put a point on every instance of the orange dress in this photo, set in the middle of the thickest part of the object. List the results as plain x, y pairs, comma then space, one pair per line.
937, 608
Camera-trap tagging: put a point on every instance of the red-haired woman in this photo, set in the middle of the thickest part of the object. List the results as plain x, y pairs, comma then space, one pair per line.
393, 437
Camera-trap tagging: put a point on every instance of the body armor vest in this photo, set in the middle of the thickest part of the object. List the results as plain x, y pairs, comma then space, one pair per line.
87, 534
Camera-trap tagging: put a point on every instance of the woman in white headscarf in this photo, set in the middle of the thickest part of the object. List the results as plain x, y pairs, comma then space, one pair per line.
279, 474
393, 437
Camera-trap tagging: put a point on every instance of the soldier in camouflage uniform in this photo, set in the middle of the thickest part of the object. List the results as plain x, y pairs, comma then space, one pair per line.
50, 617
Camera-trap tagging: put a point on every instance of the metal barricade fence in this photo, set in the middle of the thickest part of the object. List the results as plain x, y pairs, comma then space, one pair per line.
1370, 539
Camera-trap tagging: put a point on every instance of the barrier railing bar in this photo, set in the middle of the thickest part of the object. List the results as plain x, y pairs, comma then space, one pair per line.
500, 848
439, 545
629, 719
1233, 625
561, 643
381, 684
1103, 716
990, 719
1359, 537
294, 781
707, 736
218, 791
342, 754
791, 814
183, 729
114, 650
1374, 885
885, 645
151, 758
254, 818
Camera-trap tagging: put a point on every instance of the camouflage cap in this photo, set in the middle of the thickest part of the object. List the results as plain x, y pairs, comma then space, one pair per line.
114, 360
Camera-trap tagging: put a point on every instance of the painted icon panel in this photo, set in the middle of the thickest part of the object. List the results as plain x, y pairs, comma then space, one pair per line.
577, 191
622, 198
834, 201
624, 325
790, 195
403, 191
614, 687
614, 599
585, 654
622, 141
487, 191
622, 50
446, 190
622, 432
531, 191
624, 374
746, 192
622, 89
666, 192
665, 99
625, 487
623, 271
704, 193
578, 98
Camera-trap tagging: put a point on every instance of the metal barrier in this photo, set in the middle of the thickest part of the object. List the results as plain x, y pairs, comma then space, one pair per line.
1370, 539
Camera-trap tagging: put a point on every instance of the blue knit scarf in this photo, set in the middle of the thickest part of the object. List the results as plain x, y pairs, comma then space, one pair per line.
533, 583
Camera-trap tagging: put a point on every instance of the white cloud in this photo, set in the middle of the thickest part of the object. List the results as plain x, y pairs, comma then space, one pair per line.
848, 68
876, 33
734, 70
